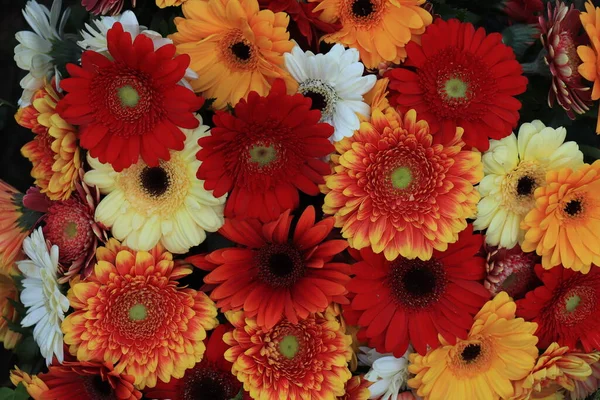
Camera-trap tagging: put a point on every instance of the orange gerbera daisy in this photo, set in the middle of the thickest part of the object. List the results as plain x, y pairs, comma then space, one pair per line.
235, 47
589, 55
75, 380
379, 29
8, 294
307, 360
357, 388
53, 151
556, 369
394, 190
564, 226
130, 312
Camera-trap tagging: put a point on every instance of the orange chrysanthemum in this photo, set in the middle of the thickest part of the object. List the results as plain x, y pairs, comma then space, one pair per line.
556, 369
564, 226
379, 29
235, 47
589, 55
16, 223
130, 312
75, 380
307, 360
357, 388
53, 151
394, 190
8, 290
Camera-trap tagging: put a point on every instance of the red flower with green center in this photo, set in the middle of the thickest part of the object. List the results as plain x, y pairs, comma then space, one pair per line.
268, 150
131, 105
461, 77
412, 301
210, 379
275, 275
565, 308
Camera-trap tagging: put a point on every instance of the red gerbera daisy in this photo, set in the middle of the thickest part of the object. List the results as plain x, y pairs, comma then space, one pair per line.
404, 300
265, 153
211, 378
129, 105
276, 276
307, 21
565, 308
463, 78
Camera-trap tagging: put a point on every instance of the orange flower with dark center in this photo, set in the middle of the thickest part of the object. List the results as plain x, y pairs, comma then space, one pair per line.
396, 191
290, 361
131, 312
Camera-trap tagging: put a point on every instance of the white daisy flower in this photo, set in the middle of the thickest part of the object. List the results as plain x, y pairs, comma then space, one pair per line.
335, 84
46, 305
388, 373
514, 167
94, 37
167, 203
33, 51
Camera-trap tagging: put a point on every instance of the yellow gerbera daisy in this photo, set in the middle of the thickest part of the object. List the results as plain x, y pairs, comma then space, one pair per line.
499, 350
235, 48
379, 29
167, 204
514, 167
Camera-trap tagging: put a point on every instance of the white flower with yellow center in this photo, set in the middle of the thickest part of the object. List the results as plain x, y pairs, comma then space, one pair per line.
167, 203
46, 305
335, 84
514, 168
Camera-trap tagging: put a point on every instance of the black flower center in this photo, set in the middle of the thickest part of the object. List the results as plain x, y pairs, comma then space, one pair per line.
471, 352
280, 265
209, 383
99, 389
362, 8
573, 207
319, 101
241, 50
155, 180
525, 185
417, 283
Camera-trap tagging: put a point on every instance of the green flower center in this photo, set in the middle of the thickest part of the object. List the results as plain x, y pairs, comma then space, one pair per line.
71, 230
129, 96
288, 346
263, 155
572, 303
138, 312
456, 89
401, 177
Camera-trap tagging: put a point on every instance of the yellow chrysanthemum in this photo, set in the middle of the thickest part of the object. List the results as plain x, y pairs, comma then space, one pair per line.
53, 151
514, 167
169, 3
564, 226
166, 204
235, 48
379, 29
499, 350
8, 290
557, 369
589, 55
131, 312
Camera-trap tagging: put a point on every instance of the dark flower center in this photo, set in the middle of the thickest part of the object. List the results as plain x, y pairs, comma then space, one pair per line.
208, 383
362, 8
99, 389
155, 180
241, 50
262, 155
280, 265
319, 101
471, 352
525, 186
416, 283
573, 207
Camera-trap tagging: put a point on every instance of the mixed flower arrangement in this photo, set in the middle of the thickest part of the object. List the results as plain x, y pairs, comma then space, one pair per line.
332, 199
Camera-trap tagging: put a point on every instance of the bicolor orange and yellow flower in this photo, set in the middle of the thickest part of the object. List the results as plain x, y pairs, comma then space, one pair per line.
590, 55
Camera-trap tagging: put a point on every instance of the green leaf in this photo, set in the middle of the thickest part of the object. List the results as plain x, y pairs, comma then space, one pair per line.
590, 151
27, 350
6, 103
20, 393
13, 326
